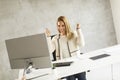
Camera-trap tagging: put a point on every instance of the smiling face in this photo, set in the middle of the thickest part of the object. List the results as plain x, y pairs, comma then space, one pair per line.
61, 27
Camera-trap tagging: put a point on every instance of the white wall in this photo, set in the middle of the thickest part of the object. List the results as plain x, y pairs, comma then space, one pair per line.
115, 5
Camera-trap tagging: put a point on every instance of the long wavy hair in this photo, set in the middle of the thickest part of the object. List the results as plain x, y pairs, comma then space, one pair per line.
68, 31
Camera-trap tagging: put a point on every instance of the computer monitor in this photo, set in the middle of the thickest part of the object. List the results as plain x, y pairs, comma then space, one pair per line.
28, 50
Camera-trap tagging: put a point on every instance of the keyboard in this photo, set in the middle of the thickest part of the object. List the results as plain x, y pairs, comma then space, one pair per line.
62, 64
99, 56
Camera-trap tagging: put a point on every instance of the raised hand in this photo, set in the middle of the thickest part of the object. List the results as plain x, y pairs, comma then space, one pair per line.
78, 26
23, 78
47, 31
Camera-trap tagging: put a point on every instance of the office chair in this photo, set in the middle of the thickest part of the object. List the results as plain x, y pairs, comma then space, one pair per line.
54, 52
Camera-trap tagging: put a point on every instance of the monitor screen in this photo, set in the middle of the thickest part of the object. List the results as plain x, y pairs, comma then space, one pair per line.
29, 49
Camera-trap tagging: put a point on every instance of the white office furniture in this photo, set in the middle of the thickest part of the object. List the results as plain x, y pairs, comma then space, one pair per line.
83, 63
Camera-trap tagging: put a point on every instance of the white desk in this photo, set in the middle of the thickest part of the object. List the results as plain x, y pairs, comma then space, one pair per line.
83, 63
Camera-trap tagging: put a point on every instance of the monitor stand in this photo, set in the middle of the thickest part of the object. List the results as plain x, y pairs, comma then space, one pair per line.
28, 69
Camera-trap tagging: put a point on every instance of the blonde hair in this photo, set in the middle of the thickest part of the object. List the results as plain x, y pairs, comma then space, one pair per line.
69, 32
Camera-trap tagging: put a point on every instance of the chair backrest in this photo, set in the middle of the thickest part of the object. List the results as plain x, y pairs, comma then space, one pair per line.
54, 52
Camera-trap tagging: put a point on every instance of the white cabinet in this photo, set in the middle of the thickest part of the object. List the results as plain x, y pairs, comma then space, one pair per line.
110, 72
102, 73
116, 71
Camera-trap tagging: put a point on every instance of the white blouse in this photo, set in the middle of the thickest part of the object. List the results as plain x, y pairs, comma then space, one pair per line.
65, 48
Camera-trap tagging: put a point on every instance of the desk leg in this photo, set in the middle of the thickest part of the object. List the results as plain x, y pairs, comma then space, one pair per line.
112, 71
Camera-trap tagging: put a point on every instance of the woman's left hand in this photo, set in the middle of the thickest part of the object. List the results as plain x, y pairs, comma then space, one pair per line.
78, 26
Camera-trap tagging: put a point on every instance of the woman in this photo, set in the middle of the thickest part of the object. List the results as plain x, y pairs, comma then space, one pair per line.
67, 43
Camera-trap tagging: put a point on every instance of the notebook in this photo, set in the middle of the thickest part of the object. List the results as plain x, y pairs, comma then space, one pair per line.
99, 56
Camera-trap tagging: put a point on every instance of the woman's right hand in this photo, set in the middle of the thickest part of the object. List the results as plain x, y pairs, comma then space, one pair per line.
47, 31
23, 78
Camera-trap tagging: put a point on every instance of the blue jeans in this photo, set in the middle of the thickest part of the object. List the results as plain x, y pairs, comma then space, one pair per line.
79, 76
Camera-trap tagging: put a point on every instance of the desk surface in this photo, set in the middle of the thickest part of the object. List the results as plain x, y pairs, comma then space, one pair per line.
83, 63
